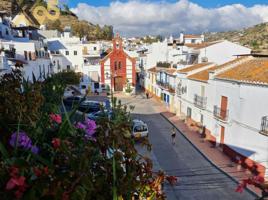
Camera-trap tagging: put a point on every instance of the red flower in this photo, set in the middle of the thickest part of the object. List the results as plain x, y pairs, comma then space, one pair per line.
239, 188
56, 143
172, 180
65, 196
55, 118
46, 170
37, 172
14, 171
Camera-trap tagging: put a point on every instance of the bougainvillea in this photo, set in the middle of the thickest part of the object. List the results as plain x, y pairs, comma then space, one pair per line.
59, 157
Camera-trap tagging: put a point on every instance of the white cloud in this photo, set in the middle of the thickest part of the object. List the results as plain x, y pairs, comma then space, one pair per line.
137, 17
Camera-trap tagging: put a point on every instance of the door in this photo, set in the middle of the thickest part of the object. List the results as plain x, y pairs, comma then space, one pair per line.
222, 136
118, 84
224, 104
189, 112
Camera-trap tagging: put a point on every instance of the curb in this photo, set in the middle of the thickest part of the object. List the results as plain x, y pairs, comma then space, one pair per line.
210, 161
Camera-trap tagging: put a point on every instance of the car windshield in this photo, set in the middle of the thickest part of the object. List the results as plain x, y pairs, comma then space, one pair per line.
88, 103
140, 128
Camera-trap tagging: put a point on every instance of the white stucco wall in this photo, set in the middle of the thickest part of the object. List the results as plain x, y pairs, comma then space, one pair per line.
222, 52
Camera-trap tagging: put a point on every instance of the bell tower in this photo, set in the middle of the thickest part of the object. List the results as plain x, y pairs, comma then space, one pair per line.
117, 43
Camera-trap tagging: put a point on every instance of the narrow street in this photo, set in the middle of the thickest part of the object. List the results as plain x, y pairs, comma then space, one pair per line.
198, 179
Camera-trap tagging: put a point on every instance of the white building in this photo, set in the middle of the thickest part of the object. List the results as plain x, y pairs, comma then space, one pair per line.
91, 67
66, 52
231, 101
23, 48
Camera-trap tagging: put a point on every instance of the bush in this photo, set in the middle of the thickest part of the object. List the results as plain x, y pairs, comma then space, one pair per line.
58, 159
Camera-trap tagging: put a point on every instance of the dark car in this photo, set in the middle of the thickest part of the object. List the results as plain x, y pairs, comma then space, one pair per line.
100, 114
74, 100
89, 106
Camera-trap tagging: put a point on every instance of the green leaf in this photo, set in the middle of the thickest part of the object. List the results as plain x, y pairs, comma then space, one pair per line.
3, 151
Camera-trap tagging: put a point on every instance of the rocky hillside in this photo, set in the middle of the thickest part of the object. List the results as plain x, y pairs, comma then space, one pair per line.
67, 18
10, 6
255, 37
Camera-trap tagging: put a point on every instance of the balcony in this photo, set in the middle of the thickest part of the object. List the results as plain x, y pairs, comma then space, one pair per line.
179, 91
220, 113
166, 86
264, 126
200, 102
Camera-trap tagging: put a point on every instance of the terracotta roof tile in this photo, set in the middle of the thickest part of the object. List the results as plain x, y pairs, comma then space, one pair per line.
254, 71
204, 75
193, 67
192, 36
153, 70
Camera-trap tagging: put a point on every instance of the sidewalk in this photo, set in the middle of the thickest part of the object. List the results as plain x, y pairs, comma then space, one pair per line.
214, 155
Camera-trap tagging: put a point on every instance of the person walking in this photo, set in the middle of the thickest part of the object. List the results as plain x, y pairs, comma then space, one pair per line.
173, 135
147, 95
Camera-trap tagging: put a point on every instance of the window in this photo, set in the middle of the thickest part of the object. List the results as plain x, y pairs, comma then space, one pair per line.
40, 72
140, 128
119, 65
68, 67
115, 65
193, 41
7, 33
75, 53
95, 48
67, 53
1, 34
201, 119
96, 85
30, 56
25, 55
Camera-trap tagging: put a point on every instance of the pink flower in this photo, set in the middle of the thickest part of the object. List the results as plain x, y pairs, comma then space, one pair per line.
13, 182
89, 126
55, 118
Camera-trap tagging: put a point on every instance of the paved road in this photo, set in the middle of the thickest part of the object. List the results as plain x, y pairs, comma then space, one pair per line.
198, 179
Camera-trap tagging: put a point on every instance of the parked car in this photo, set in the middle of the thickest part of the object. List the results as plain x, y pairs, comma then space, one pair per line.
99, 114
88, 106
139, 129
73, 100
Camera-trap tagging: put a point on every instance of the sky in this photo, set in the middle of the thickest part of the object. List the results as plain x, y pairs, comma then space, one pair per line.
170, 17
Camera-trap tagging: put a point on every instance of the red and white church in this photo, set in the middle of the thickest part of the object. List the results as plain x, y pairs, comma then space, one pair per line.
118, 68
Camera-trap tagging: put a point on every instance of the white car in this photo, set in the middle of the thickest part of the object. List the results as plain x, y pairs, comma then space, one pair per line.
139, 129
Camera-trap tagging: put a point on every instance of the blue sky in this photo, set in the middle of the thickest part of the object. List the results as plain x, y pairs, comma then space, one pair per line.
204, 3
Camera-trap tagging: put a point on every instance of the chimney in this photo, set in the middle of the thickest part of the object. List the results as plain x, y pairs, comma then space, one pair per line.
181, 37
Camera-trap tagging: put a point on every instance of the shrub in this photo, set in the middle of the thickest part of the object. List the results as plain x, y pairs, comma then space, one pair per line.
60, 159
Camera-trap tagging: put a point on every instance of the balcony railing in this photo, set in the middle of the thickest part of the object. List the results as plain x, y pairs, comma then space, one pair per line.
166, 86
200, 102
264, 125
220, 113
179, 91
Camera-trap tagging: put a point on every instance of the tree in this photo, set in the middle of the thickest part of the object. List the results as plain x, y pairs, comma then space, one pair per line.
54, 25
81, 29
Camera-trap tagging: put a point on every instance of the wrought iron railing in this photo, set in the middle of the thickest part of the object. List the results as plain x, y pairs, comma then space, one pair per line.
264, 125
166, 86
221, 113
200, 102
